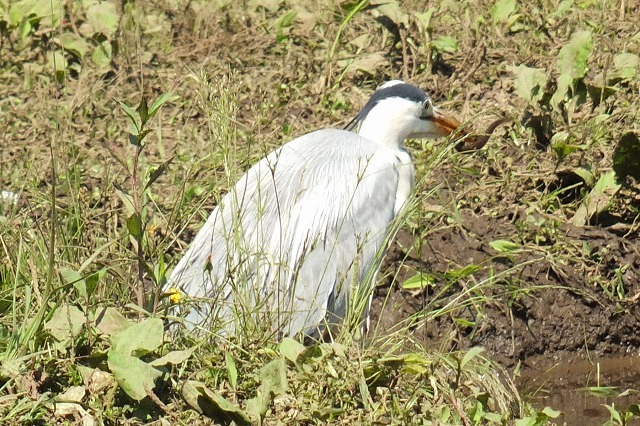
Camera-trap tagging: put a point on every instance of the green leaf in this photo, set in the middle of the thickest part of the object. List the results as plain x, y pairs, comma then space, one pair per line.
477, 413
573, 57
103, 18
561, 145
463, 322
419, 281
273, 381
626, 157
528, 421
75, 44
414, 363
74, 278
625, 66
140, 338
598, 200
446, 44
66, 323
286, 20
461, 273
18, 13
273, 377
367, 63
213, 405
102, 54
563, 84
424, 19
57, 61
93, 279
24, 29
133, 116
133, 375
563, 7
291, 349
504, 246
143, 111
173, 357
471, 353
157, 173
232, 371
140, 137
134, 225
126, 199
501, 11
164, 98
615, 415
392, 11
365, 395
550, 412
585, 174
110, 321
530, 83
35, 10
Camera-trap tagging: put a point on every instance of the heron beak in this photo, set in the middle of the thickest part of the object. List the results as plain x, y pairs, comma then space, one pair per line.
445, 124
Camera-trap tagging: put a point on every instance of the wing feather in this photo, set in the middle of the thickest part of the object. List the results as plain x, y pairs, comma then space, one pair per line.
302, 222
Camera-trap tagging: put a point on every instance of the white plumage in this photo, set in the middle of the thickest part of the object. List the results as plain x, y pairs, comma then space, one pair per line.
304, 224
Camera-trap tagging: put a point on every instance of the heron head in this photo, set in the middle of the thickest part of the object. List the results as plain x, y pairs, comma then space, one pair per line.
397, 111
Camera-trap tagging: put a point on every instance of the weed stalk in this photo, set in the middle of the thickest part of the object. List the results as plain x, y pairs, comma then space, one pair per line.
135, 201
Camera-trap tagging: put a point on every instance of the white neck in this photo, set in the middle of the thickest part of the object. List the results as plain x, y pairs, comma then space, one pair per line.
383, 128
390, 122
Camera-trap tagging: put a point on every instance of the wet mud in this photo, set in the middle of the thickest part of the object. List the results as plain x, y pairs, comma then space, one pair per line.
553, 309
581, 388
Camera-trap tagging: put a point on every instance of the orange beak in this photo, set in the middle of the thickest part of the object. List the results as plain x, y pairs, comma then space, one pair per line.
445, 123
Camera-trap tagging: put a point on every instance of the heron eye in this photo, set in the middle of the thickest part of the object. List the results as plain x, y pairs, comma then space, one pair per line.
427, 108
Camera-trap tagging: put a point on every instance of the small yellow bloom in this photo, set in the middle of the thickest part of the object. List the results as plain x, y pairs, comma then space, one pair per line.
174, 295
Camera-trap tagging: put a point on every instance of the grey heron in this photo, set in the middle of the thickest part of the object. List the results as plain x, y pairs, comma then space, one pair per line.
284, 247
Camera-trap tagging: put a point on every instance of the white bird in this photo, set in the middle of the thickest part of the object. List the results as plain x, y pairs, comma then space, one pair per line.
284, 247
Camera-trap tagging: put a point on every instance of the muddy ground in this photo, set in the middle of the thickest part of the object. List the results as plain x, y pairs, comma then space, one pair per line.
569, 292
565, 315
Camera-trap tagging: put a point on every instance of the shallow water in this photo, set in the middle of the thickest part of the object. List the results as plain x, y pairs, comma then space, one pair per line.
563, 386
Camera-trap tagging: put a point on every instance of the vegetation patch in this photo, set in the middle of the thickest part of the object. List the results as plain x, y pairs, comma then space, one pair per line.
125, 122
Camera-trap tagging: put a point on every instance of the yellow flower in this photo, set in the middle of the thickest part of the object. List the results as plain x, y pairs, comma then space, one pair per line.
174, 295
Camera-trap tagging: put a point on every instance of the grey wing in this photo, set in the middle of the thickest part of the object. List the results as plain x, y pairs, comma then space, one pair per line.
298, 229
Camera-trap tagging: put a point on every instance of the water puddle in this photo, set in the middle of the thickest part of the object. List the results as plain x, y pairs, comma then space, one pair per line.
581, 389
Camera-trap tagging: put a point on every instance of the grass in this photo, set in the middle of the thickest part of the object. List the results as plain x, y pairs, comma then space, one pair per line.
86, 248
